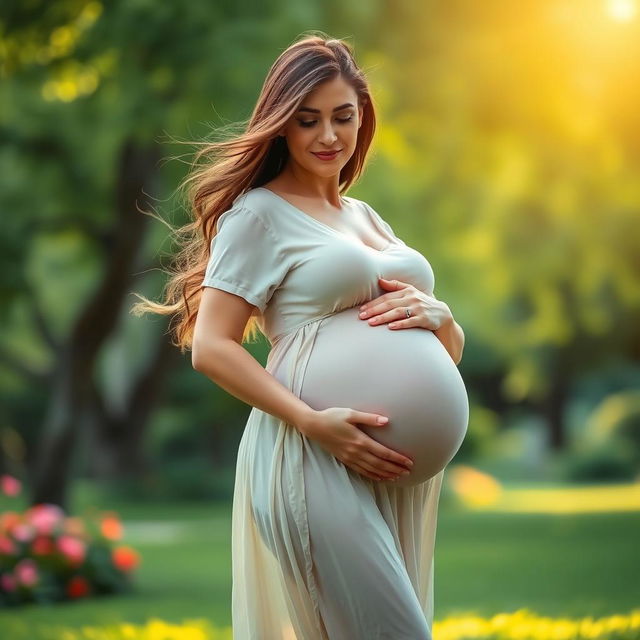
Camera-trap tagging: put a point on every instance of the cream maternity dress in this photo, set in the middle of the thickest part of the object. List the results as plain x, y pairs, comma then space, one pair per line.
318, 550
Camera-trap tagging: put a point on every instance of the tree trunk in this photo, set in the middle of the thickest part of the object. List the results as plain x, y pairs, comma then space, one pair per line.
557, 398
117, 449
76, 360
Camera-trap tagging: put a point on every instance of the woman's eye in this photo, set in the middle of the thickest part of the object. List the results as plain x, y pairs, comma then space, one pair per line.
310, 123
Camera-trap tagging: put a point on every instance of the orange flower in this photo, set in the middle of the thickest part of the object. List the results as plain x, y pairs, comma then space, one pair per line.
125, 558
111, 527
75, 526
9, 519
77, 587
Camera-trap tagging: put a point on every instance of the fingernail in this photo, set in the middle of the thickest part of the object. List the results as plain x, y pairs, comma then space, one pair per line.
382, 419
410, 463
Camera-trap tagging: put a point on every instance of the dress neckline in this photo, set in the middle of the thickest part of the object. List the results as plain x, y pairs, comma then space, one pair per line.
327, 226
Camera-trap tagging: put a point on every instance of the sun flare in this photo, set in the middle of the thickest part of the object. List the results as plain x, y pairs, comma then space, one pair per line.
621, 10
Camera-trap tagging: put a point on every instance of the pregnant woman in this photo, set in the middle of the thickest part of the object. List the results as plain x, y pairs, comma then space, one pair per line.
334, 511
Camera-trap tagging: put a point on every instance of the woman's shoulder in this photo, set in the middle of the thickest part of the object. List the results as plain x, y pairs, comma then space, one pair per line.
251, 198
258, 203
252, 208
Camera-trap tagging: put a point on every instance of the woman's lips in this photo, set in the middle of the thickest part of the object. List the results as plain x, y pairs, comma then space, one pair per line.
326, 156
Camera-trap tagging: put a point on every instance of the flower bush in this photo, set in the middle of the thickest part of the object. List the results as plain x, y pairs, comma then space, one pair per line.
48, 556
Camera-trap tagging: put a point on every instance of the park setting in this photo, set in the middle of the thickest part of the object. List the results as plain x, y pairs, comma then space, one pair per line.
506, 152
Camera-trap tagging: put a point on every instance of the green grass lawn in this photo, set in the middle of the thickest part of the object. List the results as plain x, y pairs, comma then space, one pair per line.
557, 565
576, 565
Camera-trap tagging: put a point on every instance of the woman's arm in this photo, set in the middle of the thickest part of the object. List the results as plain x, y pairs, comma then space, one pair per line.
234, 369
217, 352
452, 337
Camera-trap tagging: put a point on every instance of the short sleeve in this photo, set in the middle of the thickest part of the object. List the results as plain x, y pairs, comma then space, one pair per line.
246, 258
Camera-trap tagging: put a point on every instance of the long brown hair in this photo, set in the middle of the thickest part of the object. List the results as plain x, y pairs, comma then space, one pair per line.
249, 160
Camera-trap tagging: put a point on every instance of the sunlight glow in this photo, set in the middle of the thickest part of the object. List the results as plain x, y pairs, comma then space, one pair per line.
609, 498
480, 491
621, 10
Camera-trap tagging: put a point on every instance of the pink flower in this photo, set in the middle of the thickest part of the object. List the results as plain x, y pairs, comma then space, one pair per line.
23, 532
7, 582
72, 548
26, 572
7, 546
45, 517
9, 485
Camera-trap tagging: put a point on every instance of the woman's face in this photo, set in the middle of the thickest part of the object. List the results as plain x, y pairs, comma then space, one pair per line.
328, 119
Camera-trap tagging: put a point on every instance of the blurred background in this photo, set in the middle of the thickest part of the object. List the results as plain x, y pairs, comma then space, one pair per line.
507, 152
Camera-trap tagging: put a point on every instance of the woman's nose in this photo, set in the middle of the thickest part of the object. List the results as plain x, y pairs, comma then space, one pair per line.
328, 135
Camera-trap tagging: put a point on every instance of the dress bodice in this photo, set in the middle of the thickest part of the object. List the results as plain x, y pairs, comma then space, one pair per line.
296, 269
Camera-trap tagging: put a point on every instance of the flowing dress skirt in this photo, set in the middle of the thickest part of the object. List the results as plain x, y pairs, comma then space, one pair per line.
320, 552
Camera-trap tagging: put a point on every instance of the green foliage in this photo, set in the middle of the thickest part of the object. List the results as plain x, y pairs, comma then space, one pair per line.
609, 447
192, 477
606, 462
618, 417
515, 175
481, 433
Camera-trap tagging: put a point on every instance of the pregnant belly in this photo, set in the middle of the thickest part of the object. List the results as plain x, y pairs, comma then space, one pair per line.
404, 374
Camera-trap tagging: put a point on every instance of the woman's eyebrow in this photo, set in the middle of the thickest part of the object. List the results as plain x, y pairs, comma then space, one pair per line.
310, 110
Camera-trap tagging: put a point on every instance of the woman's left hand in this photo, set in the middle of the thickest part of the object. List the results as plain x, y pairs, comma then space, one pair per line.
426, 311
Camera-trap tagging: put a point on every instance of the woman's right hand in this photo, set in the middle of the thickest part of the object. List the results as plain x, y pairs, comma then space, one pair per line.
334, 429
